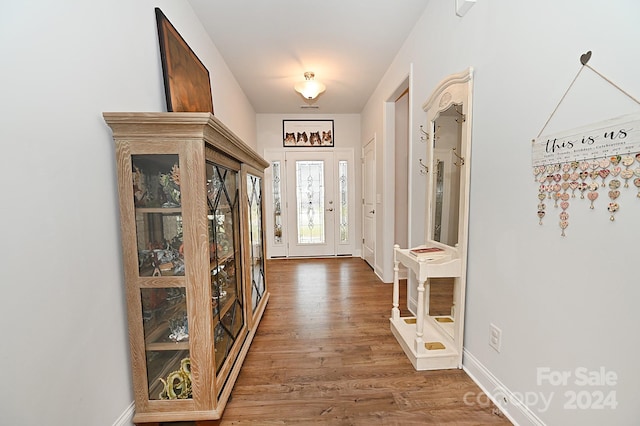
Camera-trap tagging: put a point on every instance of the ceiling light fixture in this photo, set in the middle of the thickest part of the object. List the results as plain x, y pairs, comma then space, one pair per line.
309, 88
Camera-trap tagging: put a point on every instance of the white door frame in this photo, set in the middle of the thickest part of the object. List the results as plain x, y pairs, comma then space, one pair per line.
369, 203
343, 247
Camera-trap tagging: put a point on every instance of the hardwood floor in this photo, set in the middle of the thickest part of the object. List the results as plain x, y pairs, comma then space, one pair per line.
324, 354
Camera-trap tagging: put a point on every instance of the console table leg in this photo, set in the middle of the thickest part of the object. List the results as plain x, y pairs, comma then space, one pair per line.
419, 344
395, 311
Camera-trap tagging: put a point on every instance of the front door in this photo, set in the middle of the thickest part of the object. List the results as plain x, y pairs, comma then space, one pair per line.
312, 204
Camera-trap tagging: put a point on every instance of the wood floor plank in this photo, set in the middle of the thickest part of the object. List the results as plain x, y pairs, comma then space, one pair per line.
324, 354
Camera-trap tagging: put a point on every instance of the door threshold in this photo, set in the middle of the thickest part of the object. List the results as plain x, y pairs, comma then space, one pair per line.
328, 256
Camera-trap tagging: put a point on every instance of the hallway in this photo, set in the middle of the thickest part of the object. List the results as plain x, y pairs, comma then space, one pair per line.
324, 354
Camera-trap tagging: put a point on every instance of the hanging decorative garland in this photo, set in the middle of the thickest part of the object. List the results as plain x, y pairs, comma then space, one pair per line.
561, 194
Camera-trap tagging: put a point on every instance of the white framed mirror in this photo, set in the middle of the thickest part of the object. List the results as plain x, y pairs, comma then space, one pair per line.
449, 113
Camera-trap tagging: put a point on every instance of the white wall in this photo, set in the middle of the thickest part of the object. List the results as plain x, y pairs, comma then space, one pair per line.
562, 303
346, 135
346, 129
64, 350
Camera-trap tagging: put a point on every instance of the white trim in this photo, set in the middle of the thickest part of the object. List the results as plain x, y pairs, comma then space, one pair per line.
126, 418
410, 178
512, 408
385, 196
282, 250
379, 272
372, 141
453, 79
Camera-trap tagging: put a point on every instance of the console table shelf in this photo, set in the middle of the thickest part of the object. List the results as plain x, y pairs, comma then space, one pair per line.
430, 342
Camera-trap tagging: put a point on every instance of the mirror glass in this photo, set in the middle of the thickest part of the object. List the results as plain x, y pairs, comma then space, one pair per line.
441, 302
446, 165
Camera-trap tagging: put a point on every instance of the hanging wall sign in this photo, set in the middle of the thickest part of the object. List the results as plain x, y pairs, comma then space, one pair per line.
617, 136
587, 160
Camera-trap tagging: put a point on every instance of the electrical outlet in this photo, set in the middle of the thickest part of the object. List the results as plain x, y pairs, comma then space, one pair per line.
495, 337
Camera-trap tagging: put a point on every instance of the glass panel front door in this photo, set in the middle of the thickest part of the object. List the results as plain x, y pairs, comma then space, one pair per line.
314, 213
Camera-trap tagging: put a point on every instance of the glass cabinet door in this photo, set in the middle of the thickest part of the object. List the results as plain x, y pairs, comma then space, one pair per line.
156, 192
224, 256
158, 219
256, 260
166, 334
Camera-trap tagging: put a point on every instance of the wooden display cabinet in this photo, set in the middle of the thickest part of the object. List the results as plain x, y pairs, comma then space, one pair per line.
191, 214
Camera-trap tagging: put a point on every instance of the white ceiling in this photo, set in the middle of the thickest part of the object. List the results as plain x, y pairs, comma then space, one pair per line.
269, 44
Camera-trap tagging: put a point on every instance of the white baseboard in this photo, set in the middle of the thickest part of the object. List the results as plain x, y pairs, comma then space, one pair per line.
379, 272
516, 411
126, 418
412, 305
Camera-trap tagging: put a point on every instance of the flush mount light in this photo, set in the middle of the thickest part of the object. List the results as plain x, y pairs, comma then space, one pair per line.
309, 88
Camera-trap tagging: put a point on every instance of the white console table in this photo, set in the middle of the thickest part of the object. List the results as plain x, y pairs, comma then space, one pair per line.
430, 342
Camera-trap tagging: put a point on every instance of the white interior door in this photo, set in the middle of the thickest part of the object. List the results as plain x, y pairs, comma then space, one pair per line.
312, 205
369, 203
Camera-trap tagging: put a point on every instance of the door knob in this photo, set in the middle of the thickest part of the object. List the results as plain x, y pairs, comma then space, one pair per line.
330, 210
372, 211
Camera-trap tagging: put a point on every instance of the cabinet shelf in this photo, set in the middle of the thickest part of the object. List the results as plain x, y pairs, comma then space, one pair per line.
168, 346
148, 272
162, 210
158, 340
157, 327
227, 303
224, 258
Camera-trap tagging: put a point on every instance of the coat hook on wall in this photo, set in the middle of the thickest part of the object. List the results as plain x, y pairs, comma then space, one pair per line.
425, 169
425, 136
463, 117
459, 158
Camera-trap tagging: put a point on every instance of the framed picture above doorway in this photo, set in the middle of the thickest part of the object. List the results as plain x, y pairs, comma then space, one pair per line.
307, 133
